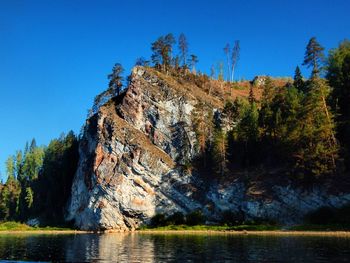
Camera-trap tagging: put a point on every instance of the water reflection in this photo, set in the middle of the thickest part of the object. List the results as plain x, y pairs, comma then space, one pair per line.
132, 247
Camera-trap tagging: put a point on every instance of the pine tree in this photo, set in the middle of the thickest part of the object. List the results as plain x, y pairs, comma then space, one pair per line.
220, 151
248, 132
202, 120
266, 113
194, 61
317, 148
162, 51
251, 97
183, 47
298, 80
314, 56
115, 80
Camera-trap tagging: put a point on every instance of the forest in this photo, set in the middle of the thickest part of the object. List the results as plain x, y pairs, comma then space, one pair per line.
301, 128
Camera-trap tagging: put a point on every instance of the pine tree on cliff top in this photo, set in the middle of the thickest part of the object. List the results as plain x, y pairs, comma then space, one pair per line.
115, 80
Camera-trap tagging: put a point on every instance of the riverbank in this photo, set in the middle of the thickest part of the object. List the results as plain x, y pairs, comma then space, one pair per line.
305, 230
301, 230
18, 228
249, 233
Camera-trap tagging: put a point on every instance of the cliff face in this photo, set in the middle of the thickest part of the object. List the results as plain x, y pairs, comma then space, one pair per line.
131, 164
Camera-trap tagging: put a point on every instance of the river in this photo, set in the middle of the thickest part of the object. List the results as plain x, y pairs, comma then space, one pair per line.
138, 247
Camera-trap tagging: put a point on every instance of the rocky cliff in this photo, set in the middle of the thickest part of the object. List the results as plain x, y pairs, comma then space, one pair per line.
132, 158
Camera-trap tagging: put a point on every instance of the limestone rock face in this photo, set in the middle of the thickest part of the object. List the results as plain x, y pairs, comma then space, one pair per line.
132, 155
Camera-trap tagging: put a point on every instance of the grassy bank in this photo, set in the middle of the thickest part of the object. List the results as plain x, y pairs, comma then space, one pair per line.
19, 227
260, 227
212, 228
15, 227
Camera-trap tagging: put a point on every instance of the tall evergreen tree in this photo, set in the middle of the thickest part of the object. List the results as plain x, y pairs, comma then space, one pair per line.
314, 56
248, 132
220, 151
183, 47
317, 149
162, 51
115, 80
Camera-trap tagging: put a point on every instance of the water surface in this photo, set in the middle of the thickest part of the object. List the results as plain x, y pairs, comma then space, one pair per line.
136, 247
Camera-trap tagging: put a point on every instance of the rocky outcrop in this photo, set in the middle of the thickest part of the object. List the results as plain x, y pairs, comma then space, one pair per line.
132, 155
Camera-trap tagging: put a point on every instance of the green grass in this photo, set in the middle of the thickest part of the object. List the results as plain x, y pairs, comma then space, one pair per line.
16, 226
213, 228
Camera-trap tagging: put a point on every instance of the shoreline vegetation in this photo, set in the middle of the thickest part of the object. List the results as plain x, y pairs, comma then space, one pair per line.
263, 229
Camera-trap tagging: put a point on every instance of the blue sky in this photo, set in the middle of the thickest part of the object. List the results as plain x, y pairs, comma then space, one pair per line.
55, 55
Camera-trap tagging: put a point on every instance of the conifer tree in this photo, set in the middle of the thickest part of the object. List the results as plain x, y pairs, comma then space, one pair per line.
317, 151
115, 80
266, 114
314, 56
162, 51
220, 151
194, 61
248, 131
298, 80
183, 47
251, 97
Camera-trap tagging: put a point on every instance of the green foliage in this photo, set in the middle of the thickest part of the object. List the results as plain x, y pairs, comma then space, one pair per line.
29, 197
316, 148
9, 198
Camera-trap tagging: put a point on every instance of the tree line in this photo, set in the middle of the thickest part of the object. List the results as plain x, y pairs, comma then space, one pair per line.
39, 181
303, 127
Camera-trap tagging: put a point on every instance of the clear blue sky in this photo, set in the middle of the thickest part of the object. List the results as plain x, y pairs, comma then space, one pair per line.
55, 55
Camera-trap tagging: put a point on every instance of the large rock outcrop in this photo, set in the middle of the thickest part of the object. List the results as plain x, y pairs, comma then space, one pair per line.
131, 164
